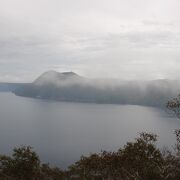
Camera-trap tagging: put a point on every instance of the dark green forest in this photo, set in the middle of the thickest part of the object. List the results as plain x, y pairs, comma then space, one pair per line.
137, 160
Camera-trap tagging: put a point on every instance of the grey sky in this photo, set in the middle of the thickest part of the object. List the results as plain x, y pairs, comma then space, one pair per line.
125, 39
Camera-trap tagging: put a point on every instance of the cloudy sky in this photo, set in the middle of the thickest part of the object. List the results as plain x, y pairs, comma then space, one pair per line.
125, 39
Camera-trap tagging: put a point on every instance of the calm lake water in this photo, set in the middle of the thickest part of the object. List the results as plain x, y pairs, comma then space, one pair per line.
61, 132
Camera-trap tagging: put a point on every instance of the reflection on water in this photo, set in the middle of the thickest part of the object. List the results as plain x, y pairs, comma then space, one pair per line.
61, 132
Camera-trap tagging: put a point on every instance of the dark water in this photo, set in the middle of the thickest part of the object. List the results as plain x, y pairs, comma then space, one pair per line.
61, 132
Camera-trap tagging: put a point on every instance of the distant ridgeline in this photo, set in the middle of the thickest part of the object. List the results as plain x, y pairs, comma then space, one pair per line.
69, 86
10, 87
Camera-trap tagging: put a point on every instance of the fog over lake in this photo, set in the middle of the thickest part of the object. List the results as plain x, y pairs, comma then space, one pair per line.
61, 131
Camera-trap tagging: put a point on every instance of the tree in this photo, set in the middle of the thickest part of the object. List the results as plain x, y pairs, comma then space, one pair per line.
142, 159
173, 105
24, 163
173, 161
6, 165
48, 172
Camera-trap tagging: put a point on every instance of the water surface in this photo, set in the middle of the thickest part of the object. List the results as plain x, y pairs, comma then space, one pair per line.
61, 131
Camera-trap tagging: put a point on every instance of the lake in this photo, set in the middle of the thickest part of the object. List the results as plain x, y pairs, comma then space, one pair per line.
61, 132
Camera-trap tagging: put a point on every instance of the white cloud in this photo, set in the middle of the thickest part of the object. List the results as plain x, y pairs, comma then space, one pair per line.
122, 39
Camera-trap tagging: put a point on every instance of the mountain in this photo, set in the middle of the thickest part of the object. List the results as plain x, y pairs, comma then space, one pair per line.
53, 77
51, 85
69, 86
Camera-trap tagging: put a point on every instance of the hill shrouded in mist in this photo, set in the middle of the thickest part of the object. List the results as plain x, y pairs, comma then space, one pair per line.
69, 86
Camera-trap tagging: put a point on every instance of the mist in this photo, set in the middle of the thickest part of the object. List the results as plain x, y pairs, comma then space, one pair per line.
69, 86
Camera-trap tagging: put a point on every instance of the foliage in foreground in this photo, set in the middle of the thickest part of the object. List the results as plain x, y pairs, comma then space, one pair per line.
138, 160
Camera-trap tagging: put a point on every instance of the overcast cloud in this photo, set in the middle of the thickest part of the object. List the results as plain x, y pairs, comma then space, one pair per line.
124, 39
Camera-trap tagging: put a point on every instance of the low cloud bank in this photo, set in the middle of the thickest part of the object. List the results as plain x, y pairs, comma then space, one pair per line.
69, 86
